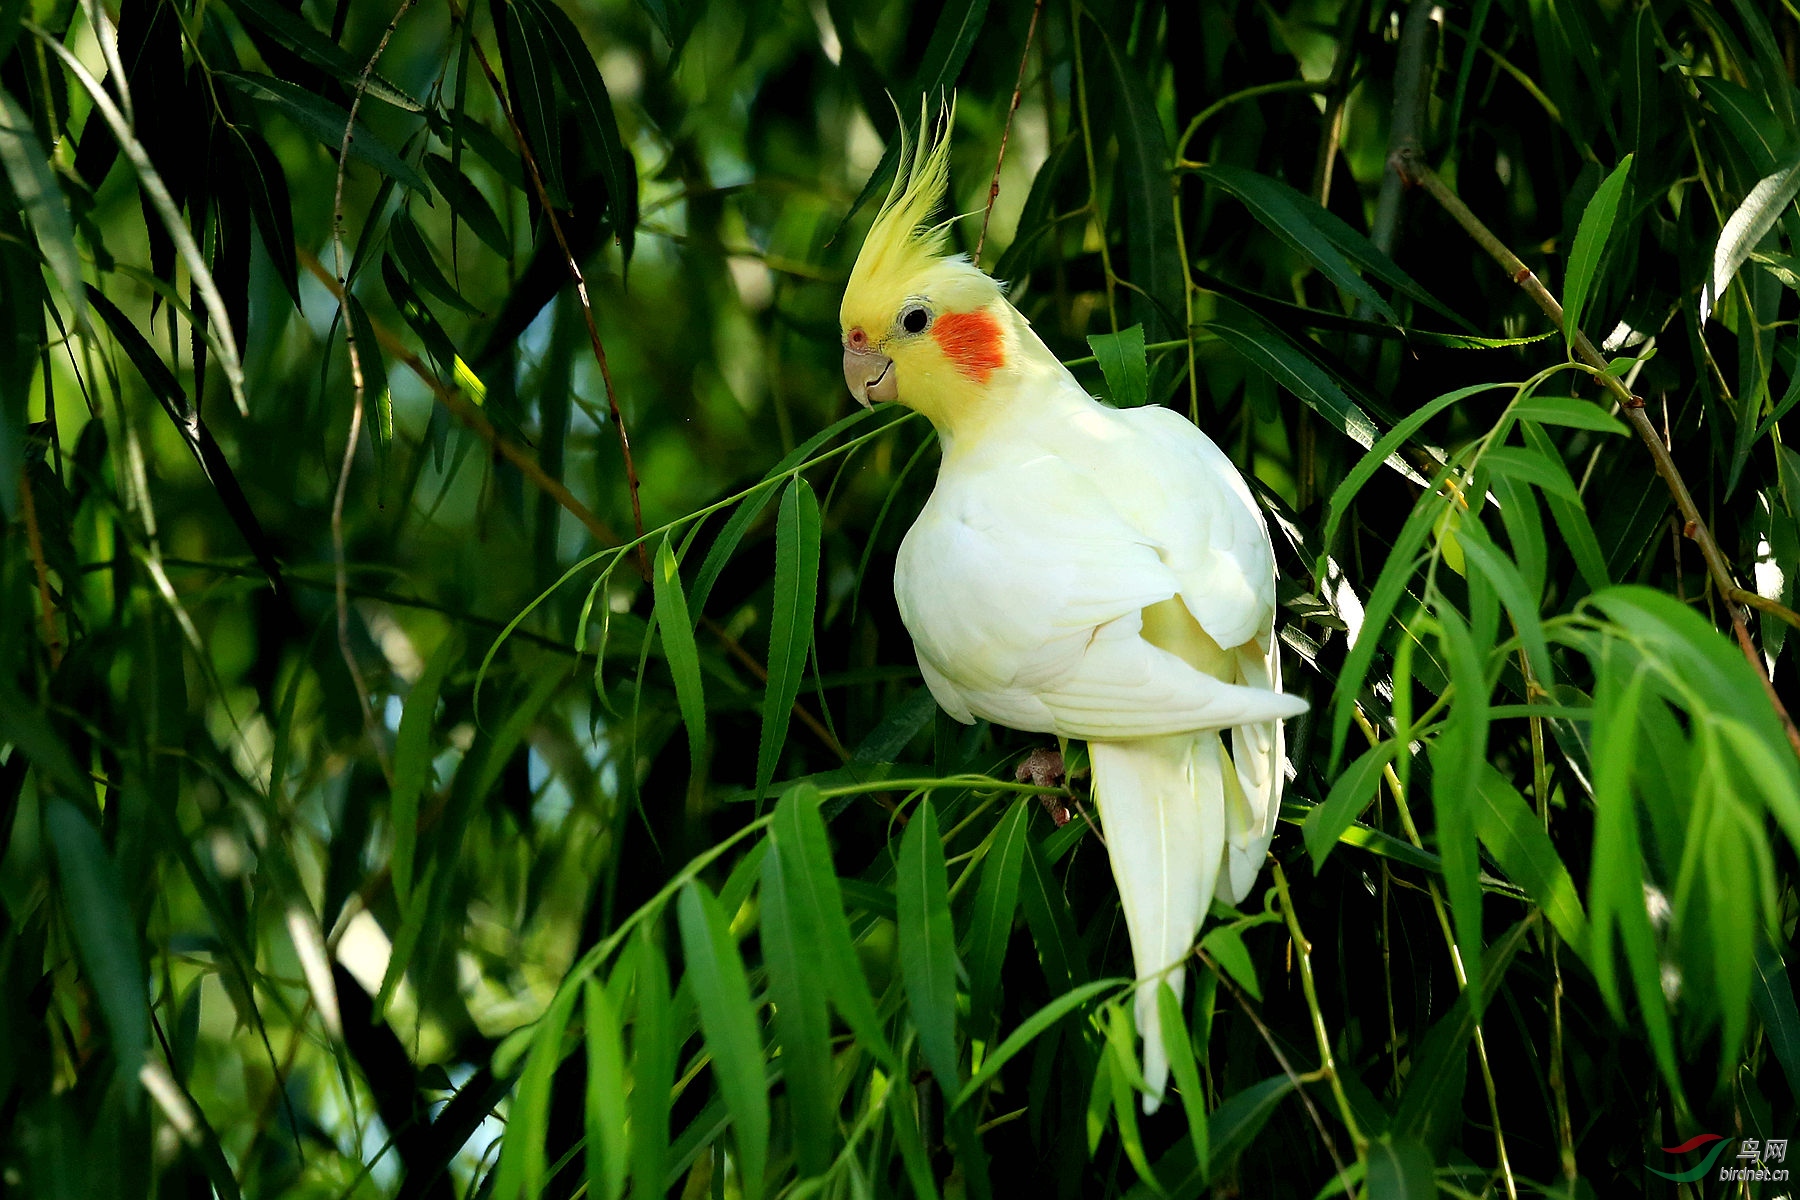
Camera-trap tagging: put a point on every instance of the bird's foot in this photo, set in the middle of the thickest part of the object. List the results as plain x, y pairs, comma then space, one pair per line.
1043, 767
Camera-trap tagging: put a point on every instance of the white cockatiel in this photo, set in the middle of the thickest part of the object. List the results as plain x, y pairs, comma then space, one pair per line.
1080, 570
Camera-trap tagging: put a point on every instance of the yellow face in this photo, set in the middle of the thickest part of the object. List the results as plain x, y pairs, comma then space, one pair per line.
933, 347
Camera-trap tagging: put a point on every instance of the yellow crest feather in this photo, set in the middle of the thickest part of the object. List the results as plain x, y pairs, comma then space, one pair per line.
902, 242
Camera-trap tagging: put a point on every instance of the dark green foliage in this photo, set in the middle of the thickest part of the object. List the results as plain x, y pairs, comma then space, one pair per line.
593, 830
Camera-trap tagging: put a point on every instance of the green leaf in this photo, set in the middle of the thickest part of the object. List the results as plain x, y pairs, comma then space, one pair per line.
105, 933
729, 1022
526, 56
1226, 946
1747, 226
800, 1021
468, 202
1430, 1104
677, 632
1590, 246
1124, 364
34, 185
593, 109
1456, 759
1400, 1169
928, 944
1354, 791
1029, 1030
1236, 1122
412, 760
790, 621
1564, 410
1571, 518
326, 122
1286, 213
996, 903
1402, 562
1515, 836
1513, 591
653, 1049
1151, 241
1380, 452
608, 1147
293, 31
817, 908
1052, 924
413, 253
1185, 1069
1528, 466
260, 174
419, 318
523, 1166
1774, 999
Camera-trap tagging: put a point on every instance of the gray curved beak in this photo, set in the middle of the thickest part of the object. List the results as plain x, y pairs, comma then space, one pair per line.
870, 376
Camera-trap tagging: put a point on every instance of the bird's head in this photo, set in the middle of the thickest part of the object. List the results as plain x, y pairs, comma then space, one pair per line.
920, 325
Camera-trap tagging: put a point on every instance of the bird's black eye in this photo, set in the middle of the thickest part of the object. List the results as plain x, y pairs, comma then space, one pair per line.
914, 318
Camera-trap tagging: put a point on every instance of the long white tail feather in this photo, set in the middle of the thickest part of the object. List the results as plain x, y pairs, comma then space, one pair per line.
1162, 803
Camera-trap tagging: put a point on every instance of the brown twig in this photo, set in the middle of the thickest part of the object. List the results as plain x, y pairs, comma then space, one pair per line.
472, 417
47, 610
1413, 168
357, 380
1037, 10
1776, 609
581, 292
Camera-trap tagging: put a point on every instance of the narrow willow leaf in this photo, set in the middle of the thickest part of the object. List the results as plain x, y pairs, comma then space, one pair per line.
1299, 374
1370, 463
1226, 946
729, 1021
412, 761
261, 176
1046, 909
797, 538
1431, 1103
1591, 237
1124, 1080
677, 632
105, 934
1151, 244
1124, 364
1402, 562
1456, 758
1747, 226
608, 1147
531, 81
1528, 466
1030, 1030
1401, 1169
414, 253
522, 1168
653, 1050
1524, 530
1732, 930
1239, 1118
293, 31
1354, 791
816, 907
905, 1122
1185, 1068
406, 940
581, 78
326, 121
1571, 518
1284, 212
1515, 836
928, 944
996, 903
1565, 410
800, 1022
1774, 999
1513, 591
468, 202
34, 185
418, 317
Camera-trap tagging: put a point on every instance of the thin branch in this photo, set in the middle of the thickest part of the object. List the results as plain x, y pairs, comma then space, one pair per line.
1414, 169
357, 381
581, 292
1037, 10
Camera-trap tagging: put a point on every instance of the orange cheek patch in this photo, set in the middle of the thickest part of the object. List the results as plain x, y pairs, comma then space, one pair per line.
971, 341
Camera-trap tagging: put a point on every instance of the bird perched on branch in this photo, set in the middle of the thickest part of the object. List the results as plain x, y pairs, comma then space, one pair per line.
1080, 570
